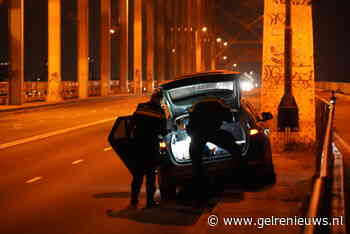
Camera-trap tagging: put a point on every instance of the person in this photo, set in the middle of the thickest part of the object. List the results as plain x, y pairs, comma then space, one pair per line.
205, 120
149, 122
333, 98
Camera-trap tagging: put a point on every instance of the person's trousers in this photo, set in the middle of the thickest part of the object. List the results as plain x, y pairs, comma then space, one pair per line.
220, 138
137, 182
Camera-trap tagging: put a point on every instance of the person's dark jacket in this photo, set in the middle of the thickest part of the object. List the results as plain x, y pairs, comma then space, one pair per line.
149, 123
207, 116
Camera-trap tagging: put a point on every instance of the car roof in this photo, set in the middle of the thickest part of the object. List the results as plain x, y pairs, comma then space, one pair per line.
199, 77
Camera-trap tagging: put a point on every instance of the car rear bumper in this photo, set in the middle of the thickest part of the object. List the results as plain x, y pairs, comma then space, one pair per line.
182, 174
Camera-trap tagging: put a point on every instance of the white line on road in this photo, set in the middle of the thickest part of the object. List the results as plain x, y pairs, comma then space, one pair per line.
34, 180
77, 161
106, 149
45, 135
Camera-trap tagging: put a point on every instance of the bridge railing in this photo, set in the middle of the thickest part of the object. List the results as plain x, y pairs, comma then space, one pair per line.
320, 201
37, 90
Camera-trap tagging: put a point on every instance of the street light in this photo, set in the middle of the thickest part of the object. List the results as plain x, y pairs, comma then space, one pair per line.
224, 58
235, 65
111, 31
218, 39
225, 43
204, 29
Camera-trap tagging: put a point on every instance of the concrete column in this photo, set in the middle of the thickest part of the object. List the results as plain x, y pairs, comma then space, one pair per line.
302, 70
177, 12
198, 34
170, 30
105, 48
83, 47
182, 36
124, 45
160, 40
137, 73
54, 89
16, 39
150, 44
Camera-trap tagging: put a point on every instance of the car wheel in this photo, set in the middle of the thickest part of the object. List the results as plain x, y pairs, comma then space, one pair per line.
267, 175
167, 188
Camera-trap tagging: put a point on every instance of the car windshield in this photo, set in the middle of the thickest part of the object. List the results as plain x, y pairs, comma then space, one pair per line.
183, 97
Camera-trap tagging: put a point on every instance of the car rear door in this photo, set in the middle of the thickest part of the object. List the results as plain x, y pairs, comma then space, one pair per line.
122, 141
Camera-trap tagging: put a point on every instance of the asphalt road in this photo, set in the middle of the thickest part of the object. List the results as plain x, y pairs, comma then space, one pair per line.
66, 181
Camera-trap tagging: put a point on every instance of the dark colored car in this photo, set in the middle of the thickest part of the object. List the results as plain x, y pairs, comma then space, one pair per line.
248, 128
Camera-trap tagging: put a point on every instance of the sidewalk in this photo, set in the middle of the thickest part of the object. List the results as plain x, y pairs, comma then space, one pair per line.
286, 199
41, 105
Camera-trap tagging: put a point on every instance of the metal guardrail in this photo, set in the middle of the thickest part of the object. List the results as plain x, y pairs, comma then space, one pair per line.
320, 188
37, 90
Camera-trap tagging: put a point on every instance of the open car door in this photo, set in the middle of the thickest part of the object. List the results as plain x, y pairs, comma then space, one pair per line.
122, 141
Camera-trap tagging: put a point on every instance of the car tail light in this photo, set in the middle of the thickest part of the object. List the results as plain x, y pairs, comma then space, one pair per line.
162, 145
253, 131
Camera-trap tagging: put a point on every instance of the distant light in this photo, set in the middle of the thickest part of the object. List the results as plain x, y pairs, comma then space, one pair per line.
251, 72
235, 65
173, 51
225, 43
246, 85
204, 29
218, 39
111, 31
225, 57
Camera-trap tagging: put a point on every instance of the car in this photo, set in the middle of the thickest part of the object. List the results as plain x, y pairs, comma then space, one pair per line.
248, 128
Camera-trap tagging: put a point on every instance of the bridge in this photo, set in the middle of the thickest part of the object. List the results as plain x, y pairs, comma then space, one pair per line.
54, 150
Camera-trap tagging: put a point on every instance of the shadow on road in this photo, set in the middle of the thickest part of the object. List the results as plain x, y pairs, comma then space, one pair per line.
180, 212
112, 195
169, 213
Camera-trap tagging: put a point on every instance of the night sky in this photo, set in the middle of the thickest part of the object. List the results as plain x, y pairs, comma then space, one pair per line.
330, 35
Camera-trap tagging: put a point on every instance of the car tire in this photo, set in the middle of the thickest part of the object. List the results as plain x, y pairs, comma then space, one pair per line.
167, 188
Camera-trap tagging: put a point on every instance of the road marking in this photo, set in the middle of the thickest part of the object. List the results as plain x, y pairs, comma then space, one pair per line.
341, 141
34, 180
77, 161
106, 149
46, 135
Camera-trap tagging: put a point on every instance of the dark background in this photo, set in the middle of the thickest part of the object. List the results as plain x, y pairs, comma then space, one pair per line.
330, 37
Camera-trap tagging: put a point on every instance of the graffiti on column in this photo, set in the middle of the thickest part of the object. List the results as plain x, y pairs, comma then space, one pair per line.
294, 2
277, 18
273, 77
54, 85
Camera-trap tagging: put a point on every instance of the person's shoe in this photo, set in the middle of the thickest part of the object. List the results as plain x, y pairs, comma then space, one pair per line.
152, 204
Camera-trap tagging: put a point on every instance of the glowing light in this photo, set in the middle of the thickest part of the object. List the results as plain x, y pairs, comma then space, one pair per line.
235, 65
224, 58
246, 85
218, 39
204, 29
111, 31
225, 43
162, 145
253, 131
